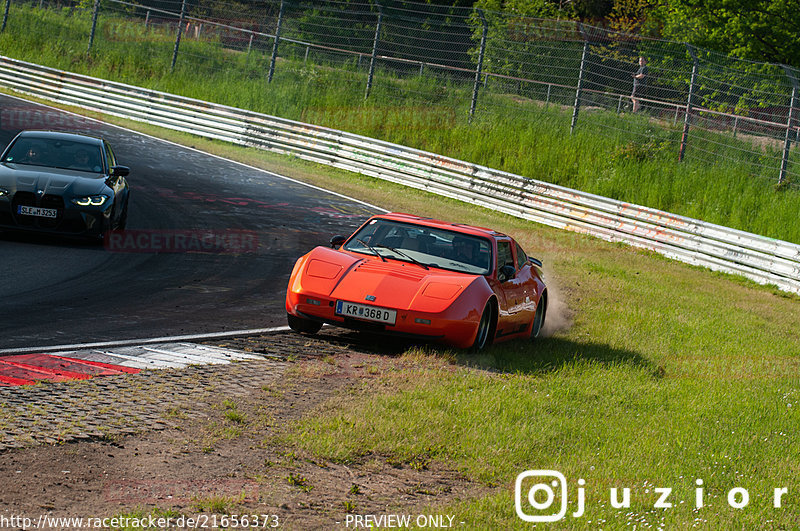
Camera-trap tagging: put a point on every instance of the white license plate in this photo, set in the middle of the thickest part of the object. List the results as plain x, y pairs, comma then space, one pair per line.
37, 211
368, 313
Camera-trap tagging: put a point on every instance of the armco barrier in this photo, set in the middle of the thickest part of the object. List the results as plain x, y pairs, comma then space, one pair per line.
762, 259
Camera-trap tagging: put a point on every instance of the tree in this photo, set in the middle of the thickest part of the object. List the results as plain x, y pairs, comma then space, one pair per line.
592, 10
759, 30
630, 16
527, 8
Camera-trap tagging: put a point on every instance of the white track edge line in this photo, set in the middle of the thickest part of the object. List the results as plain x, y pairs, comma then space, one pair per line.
144, 341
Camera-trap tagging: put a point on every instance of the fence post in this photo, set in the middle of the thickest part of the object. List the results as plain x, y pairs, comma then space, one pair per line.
374, 49
94, 25
689, 104
788, 142
5, 16
275, 44
178, 36
146, 19
478, 70
578, 91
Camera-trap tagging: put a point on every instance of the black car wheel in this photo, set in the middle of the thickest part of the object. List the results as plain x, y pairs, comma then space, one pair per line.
304, 326
485, 326
538, 317
123, 218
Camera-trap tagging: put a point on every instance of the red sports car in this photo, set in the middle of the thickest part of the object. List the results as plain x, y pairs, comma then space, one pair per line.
420, 278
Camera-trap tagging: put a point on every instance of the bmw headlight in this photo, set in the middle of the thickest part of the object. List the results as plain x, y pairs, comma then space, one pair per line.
91, 200
3, 192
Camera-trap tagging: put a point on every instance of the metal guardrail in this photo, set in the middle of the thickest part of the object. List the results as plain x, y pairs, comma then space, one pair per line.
764, 260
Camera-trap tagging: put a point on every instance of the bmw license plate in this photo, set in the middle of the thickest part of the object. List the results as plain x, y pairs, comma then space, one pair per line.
368, 313
37, 211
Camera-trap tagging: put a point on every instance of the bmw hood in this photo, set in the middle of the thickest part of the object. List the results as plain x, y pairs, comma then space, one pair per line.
41, 180
390, 284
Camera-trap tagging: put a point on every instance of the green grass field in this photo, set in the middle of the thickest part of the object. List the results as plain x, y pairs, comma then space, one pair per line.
508, 133
659, 373
667, 374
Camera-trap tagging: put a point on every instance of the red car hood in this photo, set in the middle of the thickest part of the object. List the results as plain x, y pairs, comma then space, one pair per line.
390, 284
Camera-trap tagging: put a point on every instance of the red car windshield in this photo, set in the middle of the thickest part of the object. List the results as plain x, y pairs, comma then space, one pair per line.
428, 246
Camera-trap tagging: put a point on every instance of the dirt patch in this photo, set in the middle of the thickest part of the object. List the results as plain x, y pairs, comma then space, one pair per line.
220, 454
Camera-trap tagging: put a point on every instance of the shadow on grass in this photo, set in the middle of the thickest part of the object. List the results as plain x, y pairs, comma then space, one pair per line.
542, 356
546, 355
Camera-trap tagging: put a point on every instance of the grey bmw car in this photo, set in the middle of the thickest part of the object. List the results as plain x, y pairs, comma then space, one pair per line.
62, 183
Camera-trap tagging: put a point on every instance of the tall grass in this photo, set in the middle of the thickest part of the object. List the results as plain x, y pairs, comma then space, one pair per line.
512, 134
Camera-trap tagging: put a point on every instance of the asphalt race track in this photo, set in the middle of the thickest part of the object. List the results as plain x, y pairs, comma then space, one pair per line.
54, 291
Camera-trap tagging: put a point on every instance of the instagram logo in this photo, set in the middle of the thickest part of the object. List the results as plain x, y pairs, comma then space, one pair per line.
538, 492
541, 496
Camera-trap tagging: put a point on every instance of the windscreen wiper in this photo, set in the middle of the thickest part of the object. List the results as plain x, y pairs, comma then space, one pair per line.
368, 246
401, 253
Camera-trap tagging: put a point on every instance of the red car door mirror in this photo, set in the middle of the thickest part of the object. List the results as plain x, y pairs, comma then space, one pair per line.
337, 241
506, 273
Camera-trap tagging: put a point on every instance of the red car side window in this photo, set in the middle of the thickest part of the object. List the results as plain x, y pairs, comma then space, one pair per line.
504, 256
522, 258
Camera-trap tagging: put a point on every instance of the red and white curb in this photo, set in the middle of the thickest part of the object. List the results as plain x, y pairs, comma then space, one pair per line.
161, 356
25, 366
27, 369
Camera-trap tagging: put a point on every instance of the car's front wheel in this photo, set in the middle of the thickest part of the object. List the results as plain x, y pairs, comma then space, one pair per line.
483, 338
304, 326
123, 218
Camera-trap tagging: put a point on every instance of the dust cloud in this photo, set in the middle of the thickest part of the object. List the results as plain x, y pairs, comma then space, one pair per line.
559, 316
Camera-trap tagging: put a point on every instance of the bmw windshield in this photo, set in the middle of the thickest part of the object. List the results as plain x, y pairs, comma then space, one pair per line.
55, 153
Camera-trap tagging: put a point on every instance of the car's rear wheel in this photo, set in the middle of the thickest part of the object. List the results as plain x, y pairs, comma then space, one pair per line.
538, 317
484, 336
304, 326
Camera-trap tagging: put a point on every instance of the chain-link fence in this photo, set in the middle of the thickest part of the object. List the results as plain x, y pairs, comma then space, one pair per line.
650, 95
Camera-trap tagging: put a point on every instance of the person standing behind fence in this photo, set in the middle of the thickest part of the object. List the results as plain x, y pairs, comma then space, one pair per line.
638, 83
